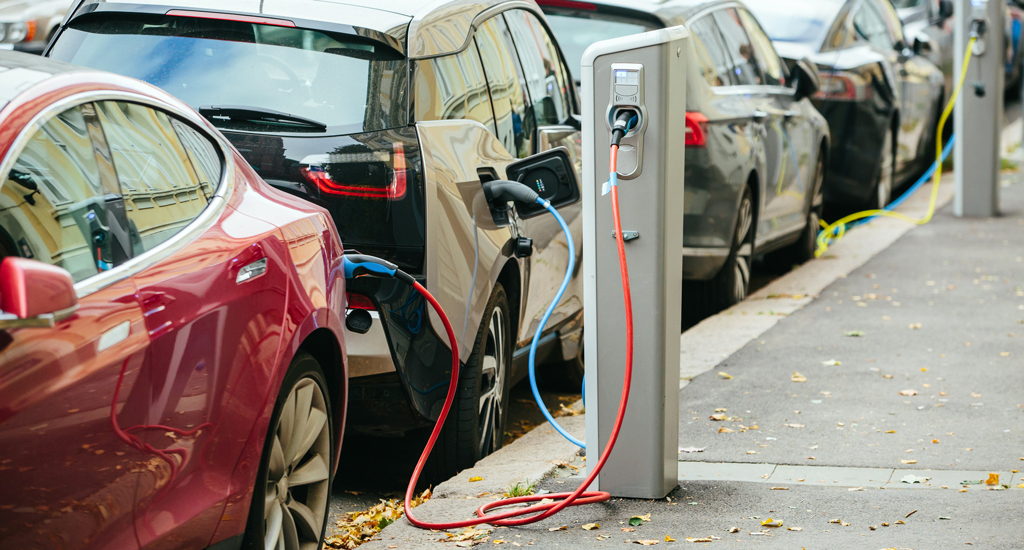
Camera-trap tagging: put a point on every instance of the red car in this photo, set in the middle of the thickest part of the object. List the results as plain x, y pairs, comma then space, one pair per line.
172, 365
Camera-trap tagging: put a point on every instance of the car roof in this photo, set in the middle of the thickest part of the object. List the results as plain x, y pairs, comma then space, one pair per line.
20, 71
427, 28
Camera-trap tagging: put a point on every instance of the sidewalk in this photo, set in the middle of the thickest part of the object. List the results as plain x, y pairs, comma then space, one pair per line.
938, 315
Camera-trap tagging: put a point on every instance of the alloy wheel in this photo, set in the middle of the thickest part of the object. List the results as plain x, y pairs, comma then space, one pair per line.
492, 385
745, 249
298, 475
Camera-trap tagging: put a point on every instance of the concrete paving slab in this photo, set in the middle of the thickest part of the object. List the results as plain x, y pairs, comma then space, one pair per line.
725, 471
831, 476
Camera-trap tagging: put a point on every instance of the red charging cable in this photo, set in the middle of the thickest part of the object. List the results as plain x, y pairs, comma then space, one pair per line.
580, 495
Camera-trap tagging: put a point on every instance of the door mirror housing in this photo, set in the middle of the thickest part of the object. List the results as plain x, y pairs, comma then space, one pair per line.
923, 44
807, 81
945, 9
34, 294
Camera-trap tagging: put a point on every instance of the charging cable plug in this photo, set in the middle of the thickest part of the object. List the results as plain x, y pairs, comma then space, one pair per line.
359, 265
624, 121
502, 191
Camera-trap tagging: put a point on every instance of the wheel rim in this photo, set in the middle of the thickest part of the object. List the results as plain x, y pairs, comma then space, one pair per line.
744, 250
298, 475
492, 384
885, 178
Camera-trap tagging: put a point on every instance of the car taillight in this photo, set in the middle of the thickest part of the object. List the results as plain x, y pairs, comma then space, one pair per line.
842, 86
359, 301
696, 130
394, 190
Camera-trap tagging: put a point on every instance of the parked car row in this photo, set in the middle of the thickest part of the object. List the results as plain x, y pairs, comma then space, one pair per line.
184, 383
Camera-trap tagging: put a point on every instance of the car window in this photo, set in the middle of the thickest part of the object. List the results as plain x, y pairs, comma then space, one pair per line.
453, 87
53, 206
162, 191
892, 20
710, 53
546, 79
508, 94
737, 43
870, 25
577, 30
771, 66
202, 153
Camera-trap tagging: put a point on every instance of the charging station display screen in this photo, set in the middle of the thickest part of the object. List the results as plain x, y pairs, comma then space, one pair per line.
627, 77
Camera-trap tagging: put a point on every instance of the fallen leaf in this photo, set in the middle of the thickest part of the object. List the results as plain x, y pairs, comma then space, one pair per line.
599, 537
734, 529
691, 449
811, 458
475, 478
700, 539
562, 528
780, 488
856, 489
794, 425
993, 479
915, 326
935, 441
717, 417
908, 392
900, 522
909, 461
911, 478
721, 410
855, 333
590, 526
650, 542
725, 430
885, 525
751, 452
628, 529
1021, 486
795, 528
890, 431
831, 363
837, 520
797, 377
872, 527
912, 512
886, 376
771, 523
759, 533
945, 517
844, 524
725, 375
669, 539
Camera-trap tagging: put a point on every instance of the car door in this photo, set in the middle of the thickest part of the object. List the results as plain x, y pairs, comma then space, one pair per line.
69, 458
769, 119
798, 135
551, 91
201, 317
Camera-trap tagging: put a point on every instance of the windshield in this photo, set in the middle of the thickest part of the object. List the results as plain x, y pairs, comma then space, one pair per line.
347, 83
795, 21
575, 34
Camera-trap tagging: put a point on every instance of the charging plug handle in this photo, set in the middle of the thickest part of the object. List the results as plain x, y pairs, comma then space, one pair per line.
626, 119
499, 192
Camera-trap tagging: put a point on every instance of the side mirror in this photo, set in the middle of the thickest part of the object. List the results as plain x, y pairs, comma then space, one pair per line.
551, 174
34, 294
945, 9
923, 44
807, 80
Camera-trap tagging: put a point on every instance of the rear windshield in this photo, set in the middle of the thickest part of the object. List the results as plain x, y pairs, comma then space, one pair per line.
575, 33
347, 83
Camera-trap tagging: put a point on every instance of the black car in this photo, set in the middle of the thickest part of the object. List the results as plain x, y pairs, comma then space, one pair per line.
881, 96
755, 145
390, 118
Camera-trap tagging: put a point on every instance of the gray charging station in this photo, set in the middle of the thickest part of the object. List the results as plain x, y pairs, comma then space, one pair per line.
978, 115
647, 73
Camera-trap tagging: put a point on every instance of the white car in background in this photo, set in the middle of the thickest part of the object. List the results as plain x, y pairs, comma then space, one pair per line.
27, 25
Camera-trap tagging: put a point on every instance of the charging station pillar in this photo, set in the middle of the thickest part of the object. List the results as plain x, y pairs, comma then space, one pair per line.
647, 73
978, 115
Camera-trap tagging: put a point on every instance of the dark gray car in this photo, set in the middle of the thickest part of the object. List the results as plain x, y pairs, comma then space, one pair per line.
755, 148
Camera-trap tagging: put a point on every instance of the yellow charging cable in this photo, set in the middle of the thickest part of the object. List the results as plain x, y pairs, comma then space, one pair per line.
835, 231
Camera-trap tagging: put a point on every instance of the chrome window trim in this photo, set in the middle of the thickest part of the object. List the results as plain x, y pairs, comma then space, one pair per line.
751, 89
202, 222
421, 23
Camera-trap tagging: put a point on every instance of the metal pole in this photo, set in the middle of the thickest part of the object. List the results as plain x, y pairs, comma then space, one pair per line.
978, 114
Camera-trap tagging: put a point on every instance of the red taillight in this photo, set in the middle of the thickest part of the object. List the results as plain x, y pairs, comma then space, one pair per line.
359, 301
567, 4
842, 86
395, 190
232, 17
696, 129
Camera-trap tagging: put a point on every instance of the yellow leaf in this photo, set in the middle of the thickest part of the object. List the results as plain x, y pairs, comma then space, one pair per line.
475, 478
795, 528
993, 479
724, 430
669, 539
590, 526
725, 375
771, 523
1021, 486
717, 417
935, 441
890, 431
720, 410
797, 377
562, 528
909, 461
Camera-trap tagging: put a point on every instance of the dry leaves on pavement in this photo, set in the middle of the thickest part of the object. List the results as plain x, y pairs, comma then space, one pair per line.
725, 375
646, 542
908, 392
797, 377
771, 523
590, 526
359, 527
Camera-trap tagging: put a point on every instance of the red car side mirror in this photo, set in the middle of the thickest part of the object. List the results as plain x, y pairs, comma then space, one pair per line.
34, 294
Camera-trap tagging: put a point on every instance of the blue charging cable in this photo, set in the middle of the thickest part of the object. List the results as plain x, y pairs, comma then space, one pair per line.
544, 321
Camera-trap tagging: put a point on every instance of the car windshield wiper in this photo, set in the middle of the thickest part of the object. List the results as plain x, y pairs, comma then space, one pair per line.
257, 114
